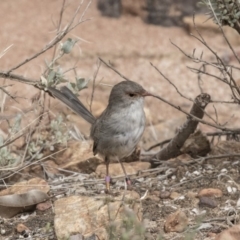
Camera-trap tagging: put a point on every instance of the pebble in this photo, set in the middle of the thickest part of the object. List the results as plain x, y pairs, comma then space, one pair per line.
164, 194
174, 195
210, 192
207, 202
176, 222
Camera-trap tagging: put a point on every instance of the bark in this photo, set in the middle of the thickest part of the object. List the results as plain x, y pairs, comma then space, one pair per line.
173, 148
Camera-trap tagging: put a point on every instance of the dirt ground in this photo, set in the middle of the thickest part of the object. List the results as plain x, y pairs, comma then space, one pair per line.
130, 45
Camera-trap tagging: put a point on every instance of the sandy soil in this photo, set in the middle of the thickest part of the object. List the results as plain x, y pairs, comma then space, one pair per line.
128, 43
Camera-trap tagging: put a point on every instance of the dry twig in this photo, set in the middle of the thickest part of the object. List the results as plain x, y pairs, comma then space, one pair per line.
173, 148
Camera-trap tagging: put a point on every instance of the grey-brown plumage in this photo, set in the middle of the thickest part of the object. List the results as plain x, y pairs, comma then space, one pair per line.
117, 131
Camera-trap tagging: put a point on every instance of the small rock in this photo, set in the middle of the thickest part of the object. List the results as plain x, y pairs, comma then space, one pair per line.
232, 233
233, 170
196, 145
80, 190
176, 222
238, 203
156, 193
207, 202
149, 224
76, 237
210, 192
174, 195
44, 206
164, 194
21, 228
90, 215
153, 198
211, 235
224, 170
184, 158
51, 168
191, 195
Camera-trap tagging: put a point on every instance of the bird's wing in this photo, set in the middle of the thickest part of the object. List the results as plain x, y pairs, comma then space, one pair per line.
69, 98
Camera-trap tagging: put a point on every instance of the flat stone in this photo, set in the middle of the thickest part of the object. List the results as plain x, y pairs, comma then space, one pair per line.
91, 215
176, 222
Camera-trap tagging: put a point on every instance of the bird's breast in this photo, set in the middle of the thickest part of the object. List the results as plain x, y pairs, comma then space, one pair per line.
120, 131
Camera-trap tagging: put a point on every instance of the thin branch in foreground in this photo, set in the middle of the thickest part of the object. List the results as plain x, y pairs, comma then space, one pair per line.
166, 78
160, 144
60, 35
20, 78
59, 25
13, 140
6, 92
5, 51
175, 87
94, 84
116, 71
224, 69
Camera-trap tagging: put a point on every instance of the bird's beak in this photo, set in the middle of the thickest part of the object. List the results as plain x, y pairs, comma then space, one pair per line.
146, 93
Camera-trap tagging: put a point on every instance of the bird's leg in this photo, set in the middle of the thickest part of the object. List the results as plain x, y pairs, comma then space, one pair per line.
107, 178
127, 179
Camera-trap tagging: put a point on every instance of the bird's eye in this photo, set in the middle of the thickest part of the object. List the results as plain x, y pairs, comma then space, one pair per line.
131, 94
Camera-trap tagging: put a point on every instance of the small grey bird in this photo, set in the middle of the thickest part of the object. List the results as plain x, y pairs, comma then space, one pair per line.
117, 131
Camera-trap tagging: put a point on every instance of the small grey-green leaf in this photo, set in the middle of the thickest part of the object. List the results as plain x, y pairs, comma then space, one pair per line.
51, 76
81, 83
68, 45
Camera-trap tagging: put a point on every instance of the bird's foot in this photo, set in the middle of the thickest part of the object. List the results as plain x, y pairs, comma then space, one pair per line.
107, 180
128, 183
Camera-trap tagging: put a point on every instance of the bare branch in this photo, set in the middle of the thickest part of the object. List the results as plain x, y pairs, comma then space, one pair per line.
108, 65
5, 91
59, 36
59, 25
173, 148
94, 84
8, 142
158, 70
19, 78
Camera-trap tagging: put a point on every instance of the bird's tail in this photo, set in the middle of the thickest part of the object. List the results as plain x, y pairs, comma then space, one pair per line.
66, 96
